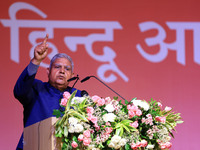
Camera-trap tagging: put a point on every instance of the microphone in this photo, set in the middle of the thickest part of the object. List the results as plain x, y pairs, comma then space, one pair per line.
88, 77
72, 79
84, 93
85, 79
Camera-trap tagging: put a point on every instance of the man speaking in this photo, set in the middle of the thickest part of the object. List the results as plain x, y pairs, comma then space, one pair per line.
38, 98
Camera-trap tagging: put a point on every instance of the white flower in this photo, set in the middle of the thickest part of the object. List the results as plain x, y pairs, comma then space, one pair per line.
78, 128
168, 108
117, 146
73, 121
122, 142
149, 146
115, 139
109, 108
111, 144
141, 103
76, 100
109, 117
168, 138
95, 149
91, 146
71, 129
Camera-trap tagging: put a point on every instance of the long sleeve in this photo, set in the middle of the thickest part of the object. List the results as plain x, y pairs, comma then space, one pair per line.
23, 87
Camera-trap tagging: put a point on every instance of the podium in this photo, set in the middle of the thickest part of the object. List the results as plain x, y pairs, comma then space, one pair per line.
40, 136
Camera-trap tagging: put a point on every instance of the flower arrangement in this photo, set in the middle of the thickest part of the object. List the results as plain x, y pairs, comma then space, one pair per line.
103, 123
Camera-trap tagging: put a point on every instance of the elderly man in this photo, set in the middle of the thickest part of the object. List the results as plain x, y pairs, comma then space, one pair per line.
38, 98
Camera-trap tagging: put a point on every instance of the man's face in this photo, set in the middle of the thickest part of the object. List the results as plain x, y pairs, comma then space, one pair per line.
59, 73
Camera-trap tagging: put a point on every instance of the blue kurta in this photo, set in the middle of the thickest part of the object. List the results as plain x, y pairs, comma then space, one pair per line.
38, 98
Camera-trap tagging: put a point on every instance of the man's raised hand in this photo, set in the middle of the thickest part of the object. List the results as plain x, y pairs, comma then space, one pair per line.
40, 51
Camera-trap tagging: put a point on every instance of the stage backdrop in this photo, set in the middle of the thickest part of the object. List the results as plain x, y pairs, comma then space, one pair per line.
145, 49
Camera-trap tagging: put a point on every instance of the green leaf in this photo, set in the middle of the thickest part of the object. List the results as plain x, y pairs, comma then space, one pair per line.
56, 113
166, 125
135, 98
83, 104
75, 139
133, 129
115, 97
65, 131
69, 100
118, 125
179, 122
121, 131
126, 122
78, 115
126, 102
127, 147
58, 132
108, 142
120, 102
118, 130
125, 127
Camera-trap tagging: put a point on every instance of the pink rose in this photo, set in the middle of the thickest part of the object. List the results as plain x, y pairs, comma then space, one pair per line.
101, 102
168, 145
160, 119
97, 127
89, 116
107, 100
132, 107
134, 124
86, 133
108, 124
94, 119
168, 108
74, 144
138, 112
144, 143
80, 137
143, 120
149, 116
163, 119
108, 130
129, 107
131, 114
90, 110
138, 144
95, 98
63, 101
163, 146
66, 95
133, 146
86, 141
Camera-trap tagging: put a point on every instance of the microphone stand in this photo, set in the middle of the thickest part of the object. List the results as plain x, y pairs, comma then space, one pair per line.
77, 78
88, 77
71, 79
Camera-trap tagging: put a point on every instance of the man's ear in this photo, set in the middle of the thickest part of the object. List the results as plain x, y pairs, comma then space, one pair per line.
72, 74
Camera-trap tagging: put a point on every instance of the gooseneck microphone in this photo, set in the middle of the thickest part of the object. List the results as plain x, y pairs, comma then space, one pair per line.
73, 78
88, 77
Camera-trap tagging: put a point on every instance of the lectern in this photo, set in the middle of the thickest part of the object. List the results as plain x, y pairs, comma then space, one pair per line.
40, 136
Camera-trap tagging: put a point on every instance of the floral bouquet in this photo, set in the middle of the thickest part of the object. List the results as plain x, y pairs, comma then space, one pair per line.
103, 123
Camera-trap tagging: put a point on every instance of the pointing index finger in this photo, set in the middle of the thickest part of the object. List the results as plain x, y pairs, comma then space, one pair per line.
46, 38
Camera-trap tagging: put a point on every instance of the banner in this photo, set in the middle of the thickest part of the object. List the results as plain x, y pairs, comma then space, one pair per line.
143, 49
